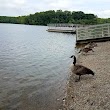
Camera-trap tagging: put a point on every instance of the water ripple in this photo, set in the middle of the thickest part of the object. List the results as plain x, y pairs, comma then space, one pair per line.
33, 66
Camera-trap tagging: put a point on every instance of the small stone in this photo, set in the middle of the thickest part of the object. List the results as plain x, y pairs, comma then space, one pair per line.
92, 103
63, 99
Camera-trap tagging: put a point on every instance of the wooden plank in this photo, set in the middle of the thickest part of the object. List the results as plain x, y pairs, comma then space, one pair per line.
62, 31
93, 40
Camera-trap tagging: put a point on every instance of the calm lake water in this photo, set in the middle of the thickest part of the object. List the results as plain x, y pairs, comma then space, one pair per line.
34, 67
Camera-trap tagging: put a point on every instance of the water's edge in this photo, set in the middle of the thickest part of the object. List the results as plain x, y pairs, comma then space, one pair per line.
34, 67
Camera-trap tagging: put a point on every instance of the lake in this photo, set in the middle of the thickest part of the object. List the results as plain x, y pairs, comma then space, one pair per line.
34, 67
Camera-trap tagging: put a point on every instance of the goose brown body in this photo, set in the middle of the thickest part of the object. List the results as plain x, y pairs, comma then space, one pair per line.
91, 45
86, 50
80, 69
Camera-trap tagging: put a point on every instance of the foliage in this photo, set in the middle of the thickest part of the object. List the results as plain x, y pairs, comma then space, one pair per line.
51, 16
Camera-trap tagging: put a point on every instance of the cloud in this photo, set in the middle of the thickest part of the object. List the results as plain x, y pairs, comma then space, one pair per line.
11, 3
103, 13
26, 7
11, 7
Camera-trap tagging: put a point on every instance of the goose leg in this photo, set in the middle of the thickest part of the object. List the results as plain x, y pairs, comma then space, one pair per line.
92, 51
78, 79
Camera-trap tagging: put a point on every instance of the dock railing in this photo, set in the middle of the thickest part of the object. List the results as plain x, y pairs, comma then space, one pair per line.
63, 27
93, 32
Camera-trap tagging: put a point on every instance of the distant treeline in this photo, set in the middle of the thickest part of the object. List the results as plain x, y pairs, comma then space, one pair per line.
59, 16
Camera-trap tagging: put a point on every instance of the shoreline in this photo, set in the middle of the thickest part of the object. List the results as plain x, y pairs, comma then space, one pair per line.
92, 92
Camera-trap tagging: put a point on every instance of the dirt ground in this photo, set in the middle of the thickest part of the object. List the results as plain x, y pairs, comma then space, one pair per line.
92, 92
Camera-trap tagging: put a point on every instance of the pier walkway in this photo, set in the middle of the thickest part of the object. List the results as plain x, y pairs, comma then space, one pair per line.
84, 33
63, 27
93, 33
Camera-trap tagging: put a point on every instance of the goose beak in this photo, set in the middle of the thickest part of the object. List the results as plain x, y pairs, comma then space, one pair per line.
72, 56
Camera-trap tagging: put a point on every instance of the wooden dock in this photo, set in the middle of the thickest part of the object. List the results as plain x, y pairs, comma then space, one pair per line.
84, 33
93, 33
64, 28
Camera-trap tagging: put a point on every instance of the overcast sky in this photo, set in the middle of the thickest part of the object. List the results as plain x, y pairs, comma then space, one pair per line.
101, 8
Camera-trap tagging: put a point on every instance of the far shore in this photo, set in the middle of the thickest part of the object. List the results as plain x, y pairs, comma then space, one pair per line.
92, 92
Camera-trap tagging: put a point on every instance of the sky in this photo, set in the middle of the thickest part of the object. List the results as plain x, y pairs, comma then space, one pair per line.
101, 8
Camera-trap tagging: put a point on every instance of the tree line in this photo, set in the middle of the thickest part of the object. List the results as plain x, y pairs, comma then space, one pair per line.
59, 16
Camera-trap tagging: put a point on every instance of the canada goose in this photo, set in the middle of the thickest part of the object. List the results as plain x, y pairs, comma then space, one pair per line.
86, 50
91, 45
79, 69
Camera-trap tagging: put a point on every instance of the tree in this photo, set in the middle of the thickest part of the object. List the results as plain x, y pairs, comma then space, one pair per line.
51, 16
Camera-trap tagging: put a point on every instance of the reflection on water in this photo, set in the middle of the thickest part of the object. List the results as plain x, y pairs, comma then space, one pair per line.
34, 67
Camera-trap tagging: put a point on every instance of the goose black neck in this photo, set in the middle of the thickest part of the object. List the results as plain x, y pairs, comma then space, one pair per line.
74, 62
